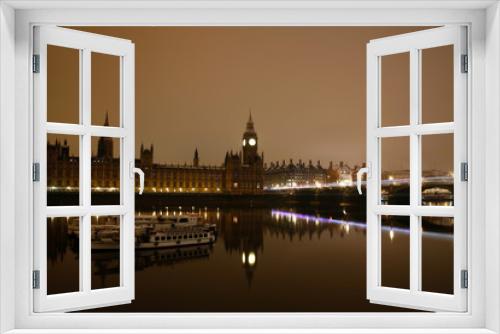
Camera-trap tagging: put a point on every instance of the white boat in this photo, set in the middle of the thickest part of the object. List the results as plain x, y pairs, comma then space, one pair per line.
176, 237
158, 232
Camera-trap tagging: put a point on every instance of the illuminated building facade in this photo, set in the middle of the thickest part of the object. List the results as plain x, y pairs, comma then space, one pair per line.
240, 173
63, 168
179, 178
300, 175
294, 174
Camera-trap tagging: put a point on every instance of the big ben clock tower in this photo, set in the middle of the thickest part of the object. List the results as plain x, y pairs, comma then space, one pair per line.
250, 155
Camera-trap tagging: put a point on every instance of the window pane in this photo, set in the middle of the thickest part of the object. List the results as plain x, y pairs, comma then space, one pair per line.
395, 243
395, 89
437, 84
105, 171
105, 89
63, 255
437, 254
63, 84
437, 170
105, 252
63, 170
395, 171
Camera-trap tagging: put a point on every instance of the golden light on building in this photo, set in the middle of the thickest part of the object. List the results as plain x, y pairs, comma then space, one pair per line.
162, 178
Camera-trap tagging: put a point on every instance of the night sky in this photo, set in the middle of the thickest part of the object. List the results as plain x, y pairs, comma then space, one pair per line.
305, 86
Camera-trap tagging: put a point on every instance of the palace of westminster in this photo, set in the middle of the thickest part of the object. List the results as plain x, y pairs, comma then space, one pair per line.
240, 173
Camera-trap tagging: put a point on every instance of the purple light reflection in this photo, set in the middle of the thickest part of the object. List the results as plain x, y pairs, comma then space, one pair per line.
293, 216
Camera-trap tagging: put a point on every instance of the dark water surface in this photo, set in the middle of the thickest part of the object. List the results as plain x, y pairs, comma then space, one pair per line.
264, 260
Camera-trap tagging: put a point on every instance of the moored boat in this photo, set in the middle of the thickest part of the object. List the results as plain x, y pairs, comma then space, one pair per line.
153, 232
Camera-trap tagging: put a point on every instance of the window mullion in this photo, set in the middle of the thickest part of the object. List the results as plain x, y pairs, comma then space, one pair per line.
415, 240
85, 167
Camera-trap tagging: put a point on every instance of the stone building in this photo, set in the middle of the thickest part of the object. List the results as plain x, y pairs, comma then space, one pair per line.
63, 167
240, 173
294, 174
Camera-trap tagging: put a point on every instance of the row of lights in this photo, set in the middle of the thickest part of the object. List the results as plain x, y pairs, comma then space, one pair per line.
96, 189
316, 184
180, 189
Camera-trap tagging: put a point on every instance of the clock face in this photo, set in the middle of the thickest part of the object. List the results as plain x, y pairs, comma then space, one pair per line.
252, 142
244, 142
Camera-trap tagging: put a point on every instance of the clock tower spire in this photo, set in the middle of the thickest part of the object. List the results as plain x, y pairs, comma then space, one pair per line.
250, 142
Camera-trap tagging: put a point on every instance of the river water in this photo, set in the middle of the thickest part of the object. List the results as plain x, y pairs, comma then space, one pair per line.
264, 260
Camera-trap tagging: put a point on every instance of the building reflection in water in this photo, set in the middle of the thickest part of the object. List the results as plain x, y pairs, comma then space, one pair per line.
242, 232
243, 236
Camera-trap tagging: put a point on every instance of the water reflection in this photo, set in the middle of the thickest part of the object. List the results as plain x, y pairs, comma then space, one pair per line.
262, 261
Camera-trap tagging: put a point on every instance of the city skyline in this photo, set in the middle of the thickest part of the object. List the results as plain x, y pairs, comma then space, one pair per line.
305, 86
71, 142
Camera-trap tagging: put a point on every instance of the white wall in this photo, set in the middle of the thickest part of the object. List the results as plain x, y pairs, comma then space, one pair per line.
492, 65
7, 176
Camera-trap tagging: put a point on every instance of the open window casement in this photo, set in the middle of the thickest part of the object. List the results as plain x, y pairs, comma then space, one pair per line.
416, 123
80, 215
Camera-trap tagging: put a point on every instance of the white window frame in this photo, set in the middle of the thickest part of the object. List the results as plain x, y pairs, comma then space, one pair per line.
16, 21
413, 44
86, 44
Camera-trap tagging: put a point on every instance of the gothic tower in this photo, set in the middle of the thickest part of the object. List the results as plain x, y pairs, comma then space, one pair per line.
250, 155
146, 155
105, 145
196, 159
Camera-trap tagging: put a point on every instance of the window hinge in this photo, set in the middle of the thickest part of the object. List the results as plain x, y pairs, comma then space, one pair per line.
36, 172
36, 63
464, 279
465, 64
464, 171
36, 279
